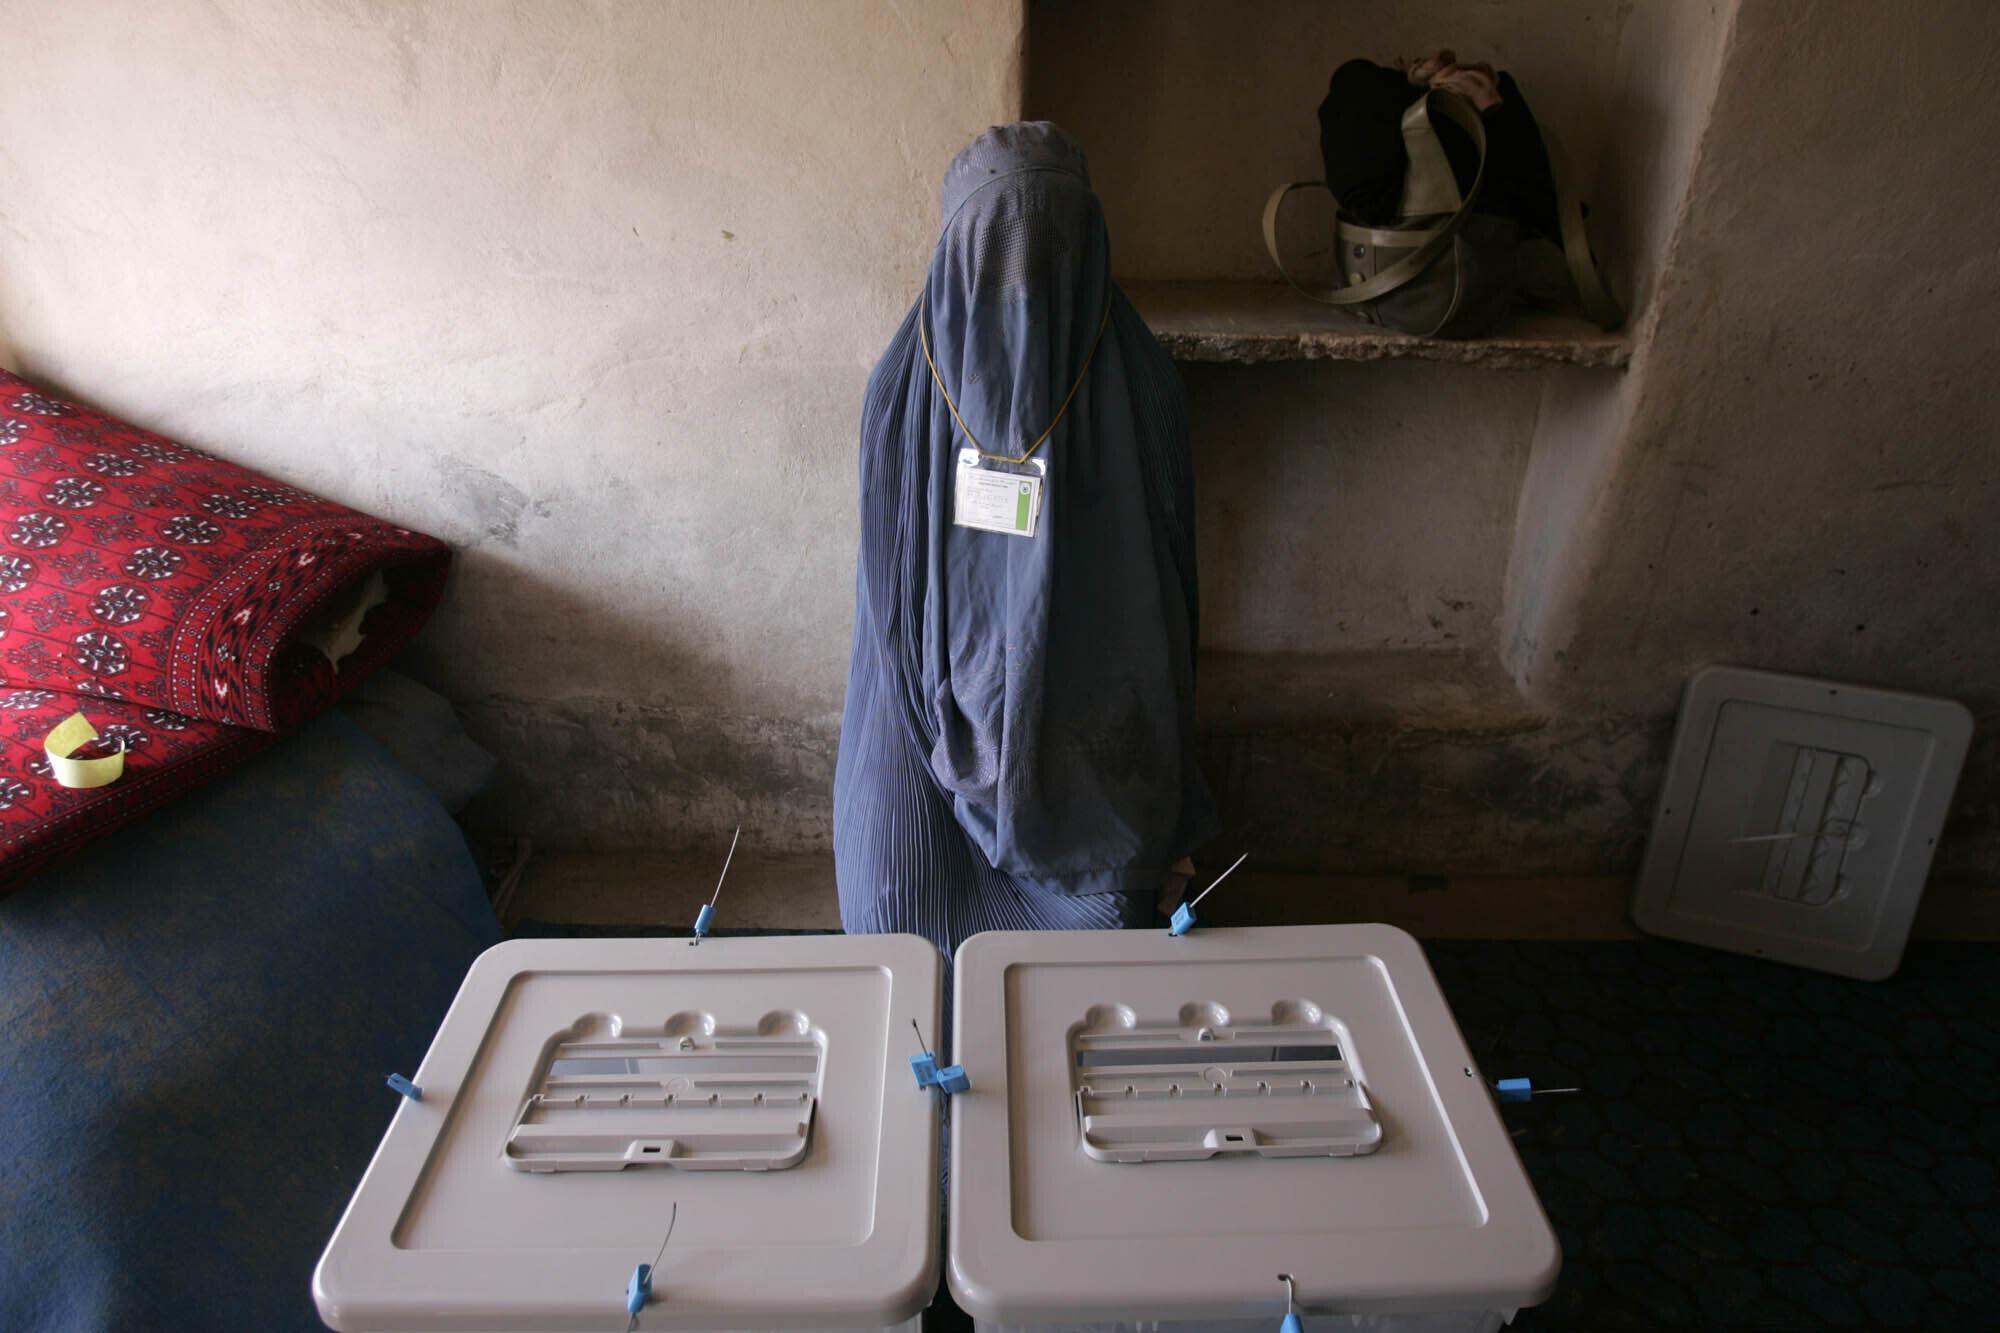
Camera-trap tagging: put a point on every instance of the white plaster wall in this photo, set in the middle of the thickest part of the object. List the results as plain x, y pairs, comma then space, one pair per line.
587, 288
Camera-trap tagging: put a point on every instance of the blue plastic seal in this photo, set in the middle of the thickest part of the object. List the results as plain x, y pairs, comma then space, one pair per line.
1292, 1324
404, 1086
704, 919
1515, 1089
639, 1290
950, 1079
1183, 920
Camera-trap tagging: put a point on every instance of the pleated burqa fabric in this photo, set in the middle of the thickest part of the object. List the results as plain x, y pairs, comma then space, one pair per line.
1017, 750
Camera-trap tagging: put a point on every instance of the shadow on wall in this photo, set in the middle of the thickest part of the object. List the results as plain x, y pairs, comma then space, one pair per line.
597, 771
596, 768
1348, 508
1540, 798
11, 357
1543, 798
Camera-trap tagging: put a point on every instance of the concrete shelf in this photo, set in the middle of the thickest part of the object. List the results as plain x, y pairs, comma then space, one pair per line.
1248, 323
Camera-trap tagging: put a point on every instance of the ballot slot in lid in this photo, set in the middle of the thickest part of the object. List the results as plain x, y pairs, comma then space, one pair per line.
737, 1117
691, 1097
1204, 1086
1096, 1176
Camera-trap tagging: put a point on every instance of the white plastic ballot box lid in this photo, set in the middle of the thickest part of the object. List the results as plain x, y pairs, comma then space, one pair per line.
1224, 1185
1798, 817
495, 1203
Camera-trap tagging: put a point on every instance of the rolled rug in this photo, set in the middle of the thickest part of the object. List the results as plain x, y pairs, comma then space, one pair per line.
134, 567
192, 609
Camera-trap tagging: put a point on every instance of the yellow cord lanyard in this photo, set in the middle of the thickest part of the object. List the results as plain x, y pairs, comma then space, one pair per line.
924, 337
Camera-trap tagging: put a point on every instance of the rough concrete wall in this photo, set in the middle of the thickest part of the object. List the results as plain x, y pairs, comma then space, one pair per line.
1376, 797
589, 289
1357, 521
1782, 477
1308, 476
1669, 62
1669, 59
1796, 471
1193, 111
1344, 508
1806, 479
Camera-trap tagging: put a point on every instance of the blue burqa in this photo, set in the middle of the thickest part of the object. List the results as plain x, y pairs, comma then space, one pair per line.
1017, 750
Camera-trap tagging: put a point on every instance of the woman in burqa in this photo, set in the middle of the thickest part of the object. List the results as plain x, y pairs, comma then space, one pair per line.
1017, 747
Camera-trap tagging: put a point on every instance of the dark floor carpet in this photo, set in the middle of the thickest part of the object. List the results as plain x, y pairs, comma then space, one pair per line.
1754, 1146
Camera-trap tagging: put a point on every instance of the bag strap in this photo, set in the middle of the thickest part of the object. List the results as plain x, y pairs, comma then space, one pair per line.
1401, 237
1407, 269
1430, 186
1599, 304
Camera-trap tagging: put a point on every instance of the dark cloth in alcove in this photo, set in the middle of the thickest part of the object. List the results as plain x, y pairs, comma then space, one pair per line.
1361, 140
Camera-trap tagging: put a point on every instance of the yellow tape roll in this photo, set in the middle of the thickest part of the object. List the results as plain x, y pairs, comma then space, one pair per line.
70, 735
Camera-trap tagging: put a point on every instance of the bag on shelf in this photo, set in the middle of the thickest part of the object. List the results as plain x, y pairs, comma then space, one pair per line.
1475, 230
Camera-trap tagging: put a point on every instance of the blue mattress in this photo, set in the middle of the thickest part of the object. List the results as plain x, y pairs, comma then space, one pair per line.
198, 1017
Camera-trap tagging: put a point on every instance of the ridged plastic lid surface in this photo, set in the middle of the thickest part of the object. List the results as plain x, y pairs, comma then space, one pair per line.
1798, 818
1245, 1098
533, 1176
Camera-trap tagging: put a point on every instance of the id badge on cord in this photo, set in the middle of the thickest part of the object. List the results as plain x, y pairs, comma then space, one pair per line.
994, 495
